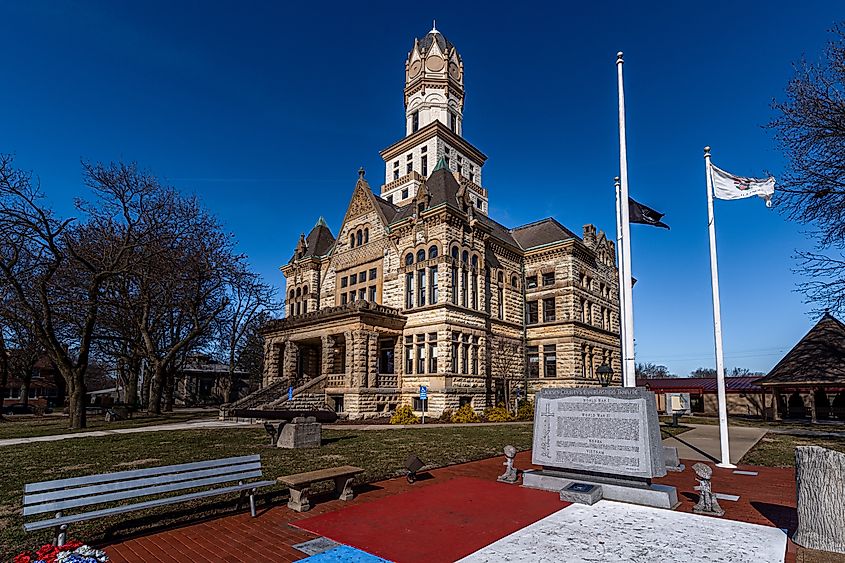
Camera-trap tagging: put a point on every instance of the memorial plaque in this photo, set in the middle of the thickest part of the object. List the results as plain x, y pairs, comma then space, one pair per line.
612, 430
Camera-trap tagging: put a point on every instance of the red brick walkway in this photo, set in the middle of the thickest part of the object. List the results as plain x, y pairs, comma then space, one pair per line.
768, 499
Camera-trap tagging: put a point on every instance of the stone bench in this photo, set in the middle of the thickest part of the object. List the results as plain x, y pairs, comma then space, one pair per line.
299, 484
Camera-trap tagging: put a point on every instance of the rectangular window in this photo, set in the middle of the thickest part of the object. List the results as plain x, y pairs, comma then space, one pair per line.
549, 278
351, 296
464, 287
343, 299
453, 121
474, 291
409, 290
362, 293
343, 281
531, 282
409, 167
474, 355
409, 156
465, 355
415, 121
353, 279
548, 310
501, 303
455, 345
424, 166
432, 352
409, 355
421, 288
418, 404
464, 401
373, 294
395, 177
432, 285
424, 149
531, 313
549, 361
454, 285
373, 273
420, 358
533, 361
405, 193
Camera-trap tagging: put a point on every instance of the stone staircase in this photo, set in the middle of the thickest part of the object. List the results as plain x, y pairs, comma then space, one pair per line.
307, 396
256, 399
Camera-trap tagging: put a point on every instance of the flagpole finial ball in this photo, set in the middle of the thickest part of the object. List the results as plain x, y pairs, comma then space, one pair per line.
707, 150
616, 179
619, 57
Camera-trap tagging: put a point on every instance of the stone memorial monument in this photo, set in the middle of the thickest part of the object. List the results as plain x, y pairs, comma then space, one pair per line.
301, 432
609, 437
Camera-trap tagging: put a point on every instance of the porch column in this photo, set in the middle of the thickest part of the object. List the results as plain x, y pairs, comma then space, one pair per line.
350, 359
371, 376
813, 414
360, 346
291, 353
328, 343
398, 360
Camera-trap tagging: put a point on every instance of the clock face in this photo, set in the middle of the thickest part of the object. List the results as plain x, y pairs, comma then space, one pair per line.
415, 68
434, 63
454, 72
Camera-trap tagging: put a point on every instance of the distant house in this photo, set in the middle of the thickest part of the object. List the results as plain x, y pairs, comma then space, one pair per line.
744, 394
810, 380
45, 388
203, 380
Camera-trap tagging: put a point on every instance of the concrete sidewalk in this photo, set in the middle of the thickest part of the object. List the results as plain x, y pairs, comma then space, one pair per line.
702, 442
198, 425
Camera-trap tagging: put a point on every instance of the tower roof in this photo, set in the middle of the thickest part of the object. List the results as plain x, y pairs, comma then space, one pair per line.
818, 358
318, 242
432, 37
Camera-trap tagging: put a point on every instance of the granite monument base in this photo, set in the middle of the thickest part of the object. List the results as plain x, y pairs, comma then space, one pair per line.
581, 493
670, 454
615, 488
301, 432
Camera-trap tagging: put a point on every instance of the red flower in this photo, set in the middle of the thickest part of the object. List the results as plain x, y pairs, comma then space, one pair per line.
71, 545
48, 553
24, 557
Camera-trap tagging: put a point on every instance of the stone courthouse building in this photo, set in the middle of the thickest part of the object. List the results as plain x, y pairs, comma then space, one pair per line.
419, 286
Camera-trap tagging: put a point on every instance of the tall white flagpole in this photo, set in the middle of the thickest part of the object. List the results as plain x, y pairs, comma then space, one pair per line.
619, 243
717, 322
626, 297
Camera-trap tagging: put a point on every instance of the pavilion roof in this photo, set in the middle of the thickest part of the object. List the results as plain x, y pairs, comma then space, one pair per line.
817, 359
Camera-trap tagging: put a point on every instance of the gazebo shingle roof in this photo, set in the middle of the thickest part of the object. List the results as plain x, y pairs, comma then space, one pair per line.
817, 359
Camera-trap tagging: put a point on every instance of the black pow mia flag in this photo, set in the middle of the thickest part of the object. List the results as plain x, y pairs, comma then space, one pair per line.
639, 213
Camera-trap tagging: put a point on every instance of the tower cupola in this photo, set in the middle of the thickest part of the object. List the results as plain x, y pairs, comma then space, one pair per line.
434, 84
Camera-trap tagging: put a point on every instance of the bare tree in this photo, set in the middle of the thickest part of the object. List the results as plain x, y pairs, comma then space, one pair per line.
506, 366
250, 300
650, 370
810, 128
57, 269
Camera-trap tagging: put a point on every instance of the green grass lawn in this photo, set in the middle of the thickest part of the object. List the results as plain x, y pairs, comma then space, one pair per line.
382, 453
32, 426
778, 450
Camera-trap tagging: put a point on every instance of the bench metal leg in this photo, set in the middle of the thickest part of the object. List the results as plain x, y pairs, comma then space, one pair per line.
343, 487
61, 532
299, 500
252, 503
240, 498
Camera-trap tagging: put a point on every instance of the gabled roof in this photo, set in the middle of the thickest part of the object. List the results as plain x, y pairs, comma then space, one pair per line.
818, 358
318, 242
743, 384
541, 233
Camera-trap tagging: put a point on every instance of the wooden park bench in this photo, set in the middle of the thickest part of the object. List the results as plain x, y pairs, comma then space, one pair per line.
300, 484
206, 478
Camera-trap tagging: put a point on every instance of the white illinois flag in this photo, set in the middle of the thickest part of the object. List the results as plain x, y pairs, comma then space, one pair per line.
728, 186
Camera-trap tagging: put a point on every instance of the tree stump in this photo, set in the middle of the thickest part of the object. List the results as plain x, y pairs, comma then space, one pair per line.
820, 476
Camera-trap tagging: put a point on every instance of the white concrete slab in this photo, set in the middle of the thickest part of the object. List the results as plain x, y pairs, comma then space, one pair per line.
725, 496
616, 532
742, 472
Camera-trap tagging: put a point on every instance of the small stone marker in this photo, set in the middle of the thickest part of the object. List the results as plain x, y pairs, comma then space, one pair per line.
707, 503
301, 432
510, 474
581, 493
601, 436
670, 454
820, 479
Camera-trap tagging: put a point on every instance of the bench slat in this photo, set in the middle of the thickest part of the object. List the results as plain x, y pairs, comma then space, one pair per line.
141, 506
147, 491
319, 475
64, 494
121, 475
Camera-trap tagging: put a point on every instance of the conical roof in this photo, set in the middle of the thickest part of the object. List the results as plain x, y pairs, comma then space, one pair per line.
818, 358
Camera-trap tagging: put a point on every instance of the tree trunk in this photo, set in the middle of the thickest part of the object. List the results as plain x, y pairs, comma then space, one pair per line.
820, 473
76, 403
131, 387
169, 391
156, 387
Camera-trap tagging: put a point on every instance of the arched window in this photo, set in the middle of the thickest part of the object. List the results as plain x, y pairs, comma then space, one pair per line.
513, 280
432, 252
366, 235
351, 239
420, 255
291, 295
359, 238
501, 277
409, 259
465, 257
305, 290
298, 291
474, 261
455, 252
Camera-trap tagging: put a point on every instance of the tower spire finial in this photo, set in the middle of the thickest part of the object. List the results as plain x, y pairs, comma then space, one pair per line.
434, 27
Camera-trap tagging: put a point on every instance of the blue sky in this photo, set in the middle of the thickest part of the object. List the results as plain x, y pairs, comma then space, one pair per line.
266, 110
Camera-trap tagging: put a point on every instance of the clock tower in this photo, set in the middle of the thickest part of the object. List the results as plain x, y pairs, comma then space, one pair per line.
434, 118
